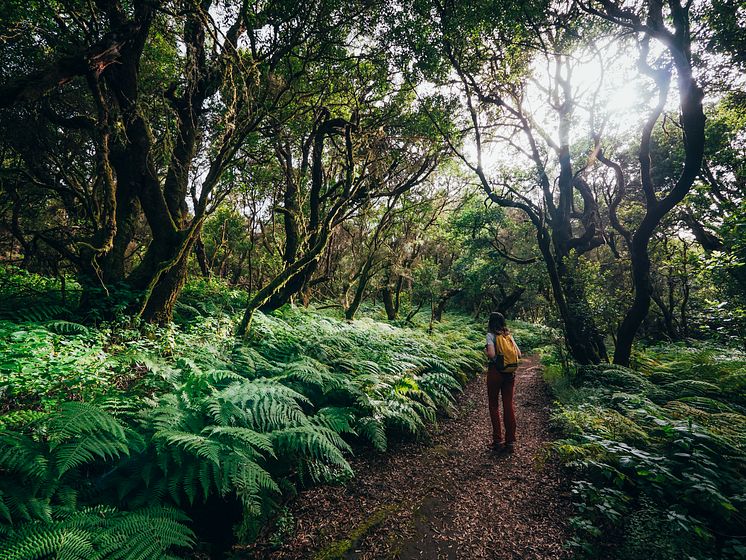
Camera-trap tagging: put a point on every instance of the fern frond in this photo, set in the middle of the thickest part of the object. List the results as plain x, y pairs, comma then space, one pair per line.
308, 371
374, 431
225, 413
85, 450
311, 442
337, 419
194, 443
77, 418
148, 533
267, 403
40, 541
691, 388
66, 327
39, 313
255, 440
250, 482
707, 404
19, 454
17, 419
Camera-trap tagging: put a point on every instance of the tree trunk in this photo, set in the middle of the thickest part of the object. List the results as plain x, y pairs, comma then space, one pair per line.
162, 274
440, 306
413, 312
199, 251
388, 303
510, 300
692, 121
362, 284
127, 214
581, 335
294, 274
285, 293
160, 305
477, 309
583, 338
684, 303
668, 318
397, 294
238, 270
640, 304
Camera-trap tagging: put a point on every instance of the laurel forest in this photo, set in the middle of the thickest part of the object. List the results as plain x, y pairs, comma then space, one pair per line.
249, 247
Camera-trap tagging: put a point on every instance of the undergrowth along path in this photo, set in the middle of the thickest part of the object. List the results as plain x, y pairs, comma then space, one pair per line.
451, 498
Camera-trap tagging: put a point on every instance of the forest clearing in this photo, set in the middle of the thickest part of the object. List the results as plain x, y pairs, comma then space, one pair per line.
372, 279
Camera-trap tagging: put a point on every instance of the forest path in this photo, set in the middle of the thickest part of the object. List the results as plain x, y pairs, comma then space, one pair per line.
452, 498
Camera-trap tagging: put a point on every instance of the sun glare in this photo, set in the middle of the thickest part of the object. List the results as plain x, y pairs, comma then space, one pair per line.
610, 98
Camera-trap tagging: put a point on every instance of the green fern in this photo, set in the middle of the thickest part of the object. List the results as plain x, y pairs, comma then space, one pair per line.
337, 419
374, 431
267, 404
38, 313
256, 441
316, 442
22, 455
670, 432
85, 450
207, 417
310, 372
66, 327
17, 419
102, 532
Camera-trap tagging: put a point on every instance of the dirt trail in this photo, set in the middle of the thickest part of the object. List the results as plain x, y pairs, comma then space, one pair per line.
452, 498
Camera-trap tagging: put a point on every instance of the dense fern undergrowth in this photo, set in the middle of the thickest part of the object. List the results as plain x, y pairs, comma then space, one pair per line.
112, 436
659, 453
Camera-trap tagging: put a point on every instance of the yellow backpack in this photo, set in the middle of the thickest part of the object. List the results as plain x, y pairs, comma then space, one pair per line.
506, 354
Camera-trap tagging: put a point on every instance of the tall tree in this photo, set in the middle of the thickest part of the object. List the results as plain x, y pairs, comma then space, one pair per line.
377, 146
668, 26
492, 66
371, 244
161, 126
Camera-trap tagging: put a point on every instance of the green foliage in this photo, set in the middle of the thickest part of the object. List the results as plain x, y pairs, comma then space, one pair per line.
481, 235
25, 296
529, 336
41, 368
101, 532
206, 297
49, 466
169, 417
661, 449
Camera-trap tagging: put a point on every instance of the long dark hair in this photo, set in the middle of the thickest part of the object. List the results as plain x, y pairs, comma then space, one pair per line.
496, 324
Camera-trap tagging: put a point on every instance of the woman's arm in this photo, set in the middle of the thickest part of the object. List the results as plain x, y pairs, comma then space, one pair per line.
490, 347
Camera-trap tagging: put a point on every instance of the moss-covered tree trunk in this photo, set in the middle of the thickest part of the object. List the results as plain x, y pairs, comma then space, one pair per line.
388, 303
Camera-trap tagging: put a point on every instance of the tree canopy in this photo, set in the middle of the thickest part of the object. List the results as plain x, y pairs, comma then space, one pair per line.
144, 142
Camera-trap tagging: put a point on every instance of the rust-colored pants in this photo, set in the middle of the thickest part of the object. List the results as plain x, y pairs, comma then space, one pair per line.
501, 383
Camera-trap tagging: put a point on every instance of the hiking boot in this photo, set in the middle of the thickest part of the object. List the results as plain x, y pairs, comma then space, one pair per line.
509, 447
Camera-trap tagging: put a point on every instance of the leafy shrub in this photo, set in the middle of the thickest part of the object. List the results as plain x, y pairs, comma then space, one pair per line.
41, 368
662, 451
529, 336
25, 296
206, 297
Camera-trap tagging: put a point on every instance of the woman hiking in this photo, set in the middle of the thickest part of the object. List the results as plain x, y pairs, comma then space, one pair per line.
503, 355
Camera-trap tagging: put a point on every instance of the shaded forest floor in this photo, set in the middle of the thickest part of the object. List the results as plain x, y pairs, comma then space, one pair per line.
451, 498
